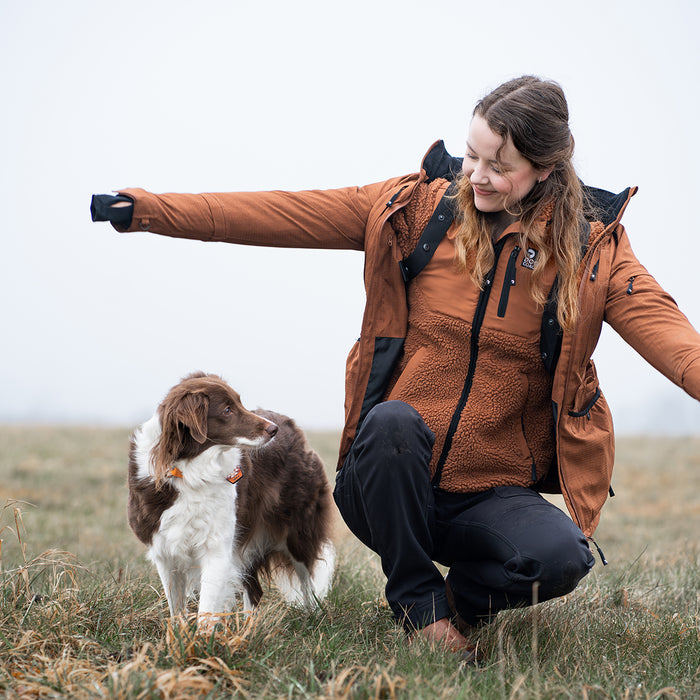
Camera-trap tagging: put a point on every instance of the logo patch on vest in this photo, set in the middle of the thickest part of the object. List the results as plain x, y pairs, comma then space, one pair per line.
529, 258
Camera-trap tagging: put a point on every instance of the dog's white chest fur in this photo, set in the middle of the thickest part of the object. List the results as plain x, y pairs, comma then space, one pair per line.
203, 517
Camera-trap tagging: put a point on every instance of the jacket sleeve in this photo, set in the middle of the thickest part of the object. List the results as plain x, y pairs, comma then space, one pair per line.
309, 219
649, 320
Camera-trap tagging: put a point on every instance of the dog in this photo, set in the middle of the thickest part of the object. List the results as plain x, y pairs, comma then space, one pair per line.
221, 496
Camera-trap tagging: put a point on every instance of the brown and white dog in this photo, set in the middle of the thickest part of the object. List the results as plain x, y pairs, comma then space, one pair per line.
220, 495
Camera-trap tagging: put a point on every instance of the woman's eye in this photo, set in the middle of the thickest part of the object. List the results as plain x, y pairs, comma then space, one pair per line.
227, 410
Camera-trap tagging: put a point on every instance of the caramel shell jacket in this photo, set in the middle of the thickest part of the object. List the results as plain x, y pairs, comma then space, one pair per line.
614, 287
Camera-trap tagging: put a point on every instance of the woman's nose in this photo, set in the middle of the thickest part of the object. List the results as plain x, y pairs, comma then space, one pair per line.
478, 174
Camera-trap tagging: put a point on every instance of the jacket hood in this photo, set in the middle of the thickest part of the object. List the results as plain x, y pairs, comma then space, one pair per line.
608, 206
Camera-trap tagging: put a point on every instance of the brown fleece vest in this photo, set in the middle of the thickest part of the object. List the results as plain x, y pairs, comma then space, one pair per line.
471, 363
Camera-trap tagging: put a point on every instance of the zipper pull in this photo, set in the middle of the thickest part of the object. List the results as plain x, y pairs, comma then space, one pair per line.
629, 287
594, 274
600, 552
511, 265
390, 203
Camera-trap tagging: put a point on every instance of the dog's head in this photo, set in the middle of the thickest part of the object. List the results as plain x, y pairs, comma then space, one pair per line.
199, 412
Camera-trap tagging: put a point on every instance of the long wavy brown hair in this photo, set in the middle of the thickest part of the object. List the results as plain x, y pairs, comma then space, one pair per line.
534, 114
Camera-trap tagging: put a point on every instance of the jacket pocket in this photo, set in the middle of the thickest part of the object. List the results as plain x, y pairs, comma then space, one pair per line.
590, 422
586, 410
587, 452
587, 395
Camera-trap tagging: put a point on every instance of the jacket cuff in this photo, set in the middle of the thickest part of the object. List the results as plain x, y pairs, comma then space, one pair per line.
102, 209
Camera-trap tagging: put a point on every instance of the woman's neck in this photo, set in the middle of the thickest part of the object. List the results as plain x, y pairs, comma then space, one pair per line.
499, 221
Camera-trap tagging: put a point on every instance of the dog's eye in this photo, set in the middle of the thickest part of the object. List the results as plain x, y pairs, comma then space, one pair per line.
227, 410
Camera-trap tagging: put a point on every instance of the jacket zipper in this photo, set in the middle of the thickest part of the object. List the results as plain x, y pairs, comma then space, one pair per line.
629, 286
508, 282
391, 201
590, 252
473, 353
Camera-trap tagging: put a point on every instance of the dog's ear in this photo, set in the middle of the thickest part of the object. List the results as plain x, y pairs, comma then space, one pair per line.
181, 418
191, 411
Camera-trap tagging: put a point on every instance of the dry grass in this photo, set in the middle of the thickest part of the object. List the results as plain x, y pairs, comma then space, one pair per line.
82, 613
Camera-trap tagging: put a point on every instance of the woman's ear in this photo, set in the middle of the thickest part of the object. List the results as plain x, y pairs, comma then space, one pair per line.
542, 175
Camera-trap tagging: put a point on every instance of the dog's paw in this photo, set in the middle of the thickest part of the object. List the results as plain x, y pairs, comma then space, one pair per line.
207, 623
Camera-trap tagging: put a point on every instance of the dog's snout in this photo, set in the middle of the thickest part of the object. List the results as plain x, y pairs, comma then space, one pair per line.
271, 429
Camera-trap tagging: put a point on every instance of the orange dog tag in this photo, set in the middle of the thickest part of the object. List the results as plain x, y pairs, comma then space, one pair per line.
233, 478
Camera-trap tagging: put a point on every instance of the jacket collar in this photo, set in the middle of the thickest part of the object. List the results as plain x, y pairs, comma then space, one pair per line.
438, 163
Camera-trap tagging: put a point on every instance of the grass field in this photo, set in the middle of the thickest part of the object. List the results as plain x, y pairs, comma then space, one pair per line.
83, 615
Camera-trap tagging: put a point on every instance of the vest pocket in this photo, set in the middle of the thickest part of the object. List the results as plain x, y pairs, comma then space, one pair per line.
526, 450
408, 372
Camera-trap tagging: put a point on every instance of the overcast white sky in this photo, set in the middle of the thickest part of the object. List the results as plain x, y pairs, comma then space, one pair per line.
225, 95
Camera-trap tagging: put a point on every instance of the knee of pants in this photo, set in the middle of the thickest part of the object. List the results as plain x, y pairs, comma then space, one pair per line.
392, 416
393, 434
567, 562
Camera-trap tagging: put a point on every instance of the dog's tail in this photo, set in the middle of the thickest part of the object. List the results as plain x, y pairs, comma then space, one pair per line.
308, 588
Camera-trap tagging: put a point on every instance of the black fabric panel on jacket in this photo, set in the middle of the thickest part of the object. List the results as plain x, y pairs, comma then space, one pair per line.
386, 354
439, 163
433, 233
550, 334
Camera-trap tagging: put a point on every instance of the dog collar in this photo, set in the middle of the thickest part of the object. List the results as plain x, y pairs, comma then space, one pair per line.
231, 478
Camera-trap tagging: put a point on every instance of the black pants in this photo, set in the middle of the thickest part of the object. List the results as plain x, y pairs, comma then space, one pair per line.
499, 545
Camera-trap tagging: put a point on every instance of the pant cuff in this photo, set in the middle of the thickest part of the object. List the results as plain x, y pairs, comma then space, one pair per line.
418, 615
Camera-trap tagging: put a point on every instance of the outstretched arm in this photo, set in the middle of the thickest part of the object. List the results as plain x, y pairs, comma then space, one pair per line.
649, 320
310, 219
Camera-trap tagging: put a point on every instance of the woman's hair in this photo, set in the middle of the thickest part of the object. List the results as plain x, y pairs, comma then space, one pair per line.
535, 115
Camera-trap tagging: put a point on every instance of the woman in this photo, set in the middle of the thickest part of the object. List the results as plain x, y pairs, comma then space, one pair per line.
471, 389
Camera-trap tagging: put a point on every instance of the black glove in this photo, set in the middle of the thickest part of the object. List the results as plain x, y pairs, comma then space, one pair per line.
101, 209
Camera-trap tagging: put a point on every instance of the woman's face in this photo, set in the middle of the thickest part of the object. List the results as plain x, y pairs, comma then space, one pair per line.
497, 184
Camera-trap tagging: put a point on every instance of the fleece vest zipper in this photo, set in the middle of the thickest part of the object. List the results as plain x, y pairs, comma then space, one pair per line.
477, 322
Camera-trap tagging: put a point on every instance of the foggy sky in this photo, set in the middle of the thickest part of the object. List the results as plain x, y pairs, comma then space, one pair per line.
225, 96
